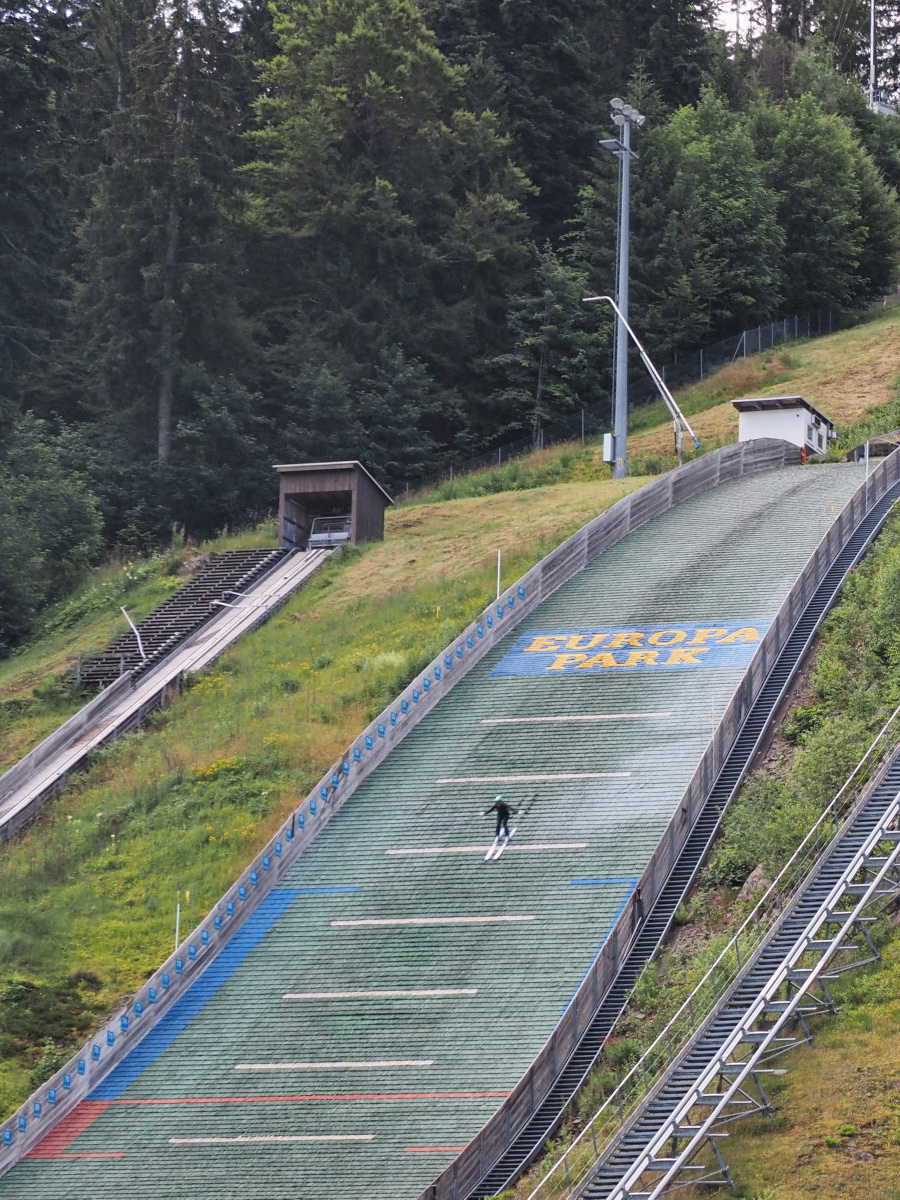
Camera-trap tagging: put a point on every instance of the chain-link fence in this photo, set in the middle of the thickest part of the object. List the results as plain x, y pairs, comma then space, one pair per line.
595, 419
750, 341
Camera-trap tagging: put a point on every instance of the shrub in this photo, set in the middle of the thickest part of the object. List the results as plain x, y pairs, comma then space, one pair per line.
747, 838
52, 1058
34, 1012
803, 721
646, 990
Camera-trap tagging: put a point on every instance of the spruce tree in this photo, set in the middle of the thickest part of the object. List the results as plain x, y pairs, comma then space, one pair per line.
155, 308
33, 211
555, 364
879, 219
672, 43
385, 214
539, 66
811, 168
706, 245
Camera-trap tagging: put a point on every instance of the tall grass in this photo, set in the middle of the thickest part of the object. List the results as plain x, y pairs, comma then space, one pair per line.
37, 690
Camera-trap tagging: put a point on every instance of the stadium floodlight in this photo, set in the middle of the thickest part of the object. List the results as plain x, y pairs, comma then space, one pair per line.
626, 117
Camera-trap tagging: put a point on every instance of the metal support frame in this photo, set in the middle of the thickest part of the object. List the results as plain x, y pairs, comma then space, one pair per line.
794, 992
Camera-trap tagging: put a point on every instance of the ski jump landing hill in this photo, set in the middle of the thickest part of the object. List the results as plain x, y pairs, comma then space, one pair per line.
373, 1010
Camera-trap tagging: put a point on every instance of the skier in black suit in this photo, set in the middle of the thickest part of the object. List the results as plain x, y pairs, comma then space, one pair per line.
503, 811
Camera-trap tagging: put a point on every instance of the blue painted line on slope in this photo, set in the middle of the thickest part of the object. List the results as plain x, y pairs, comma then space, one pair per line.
631, 883
219, 971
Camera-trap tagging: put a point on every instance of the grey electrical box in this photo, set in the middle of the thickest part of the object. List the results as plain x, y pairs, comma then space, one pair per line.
609, 448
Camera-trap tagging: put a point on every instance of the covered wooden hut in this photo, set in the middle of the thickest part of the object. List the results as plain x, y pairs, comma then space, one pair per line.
308, 491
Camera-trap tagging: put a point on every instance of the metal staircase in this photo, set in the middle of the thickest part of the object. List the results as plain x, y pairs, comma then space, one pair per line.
527, 1144
720, 1077
122, 706
225, 576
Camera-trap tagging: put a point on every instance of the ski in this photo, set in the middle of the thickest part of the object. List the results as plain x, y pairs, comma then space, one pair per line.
504, 843
491, 849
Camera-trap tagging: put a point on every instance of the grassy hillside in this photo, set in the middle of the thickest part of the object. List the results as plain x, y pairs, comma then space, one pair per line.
36, 694
852, 376
87, 896
89, 893
847, 375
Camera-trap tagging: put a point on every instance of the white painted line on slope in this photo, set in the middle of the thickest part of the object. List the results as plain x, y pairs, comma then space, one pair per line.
639, 716
431, 920
526, 847
336, 1066
536, 778
381, 994
243, 1139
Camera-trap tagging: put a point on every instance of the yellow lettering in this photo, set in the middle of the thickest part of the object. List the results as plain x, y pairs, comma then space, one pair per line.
705, 635
598, 660
667, 637
641, 656
585, 641
566, 660
748, 634
685, 657
631, 638
546, 645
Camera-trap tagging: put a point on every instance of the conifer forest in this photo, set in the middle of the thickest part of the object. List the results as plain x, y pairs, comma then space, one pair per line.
235, 233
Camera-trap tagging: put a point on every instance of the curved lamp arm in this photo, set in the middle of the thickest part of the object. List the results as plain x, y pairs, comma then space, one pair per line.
678, 416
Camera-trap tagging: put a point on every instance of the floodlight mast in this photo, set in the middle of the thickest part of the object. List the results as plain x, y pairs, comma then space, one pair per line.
679, 420
872, 55
625, 117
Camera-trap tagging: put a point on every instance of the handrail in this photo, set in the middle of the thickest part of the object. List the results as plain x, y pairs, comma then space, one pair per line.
799, 990
91, 725
14, 776
652, 1062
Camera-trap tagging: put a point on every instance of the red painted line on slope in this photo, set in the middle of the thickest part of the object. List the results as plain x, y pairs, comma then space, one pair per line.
80, 1119
312, 1097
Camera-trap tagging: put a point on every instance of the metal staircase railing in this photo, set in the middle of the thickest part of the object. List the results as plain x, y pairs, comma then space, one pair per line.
173, 621
619, 1111
867, 860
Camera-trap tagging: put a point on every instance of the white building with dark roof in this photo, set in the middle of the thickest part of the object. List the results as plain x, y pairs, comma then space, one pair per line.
790, 418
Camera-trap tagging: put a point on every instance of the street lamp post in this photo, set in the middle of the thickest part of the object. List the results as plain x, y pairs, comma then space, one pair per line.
626, 118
